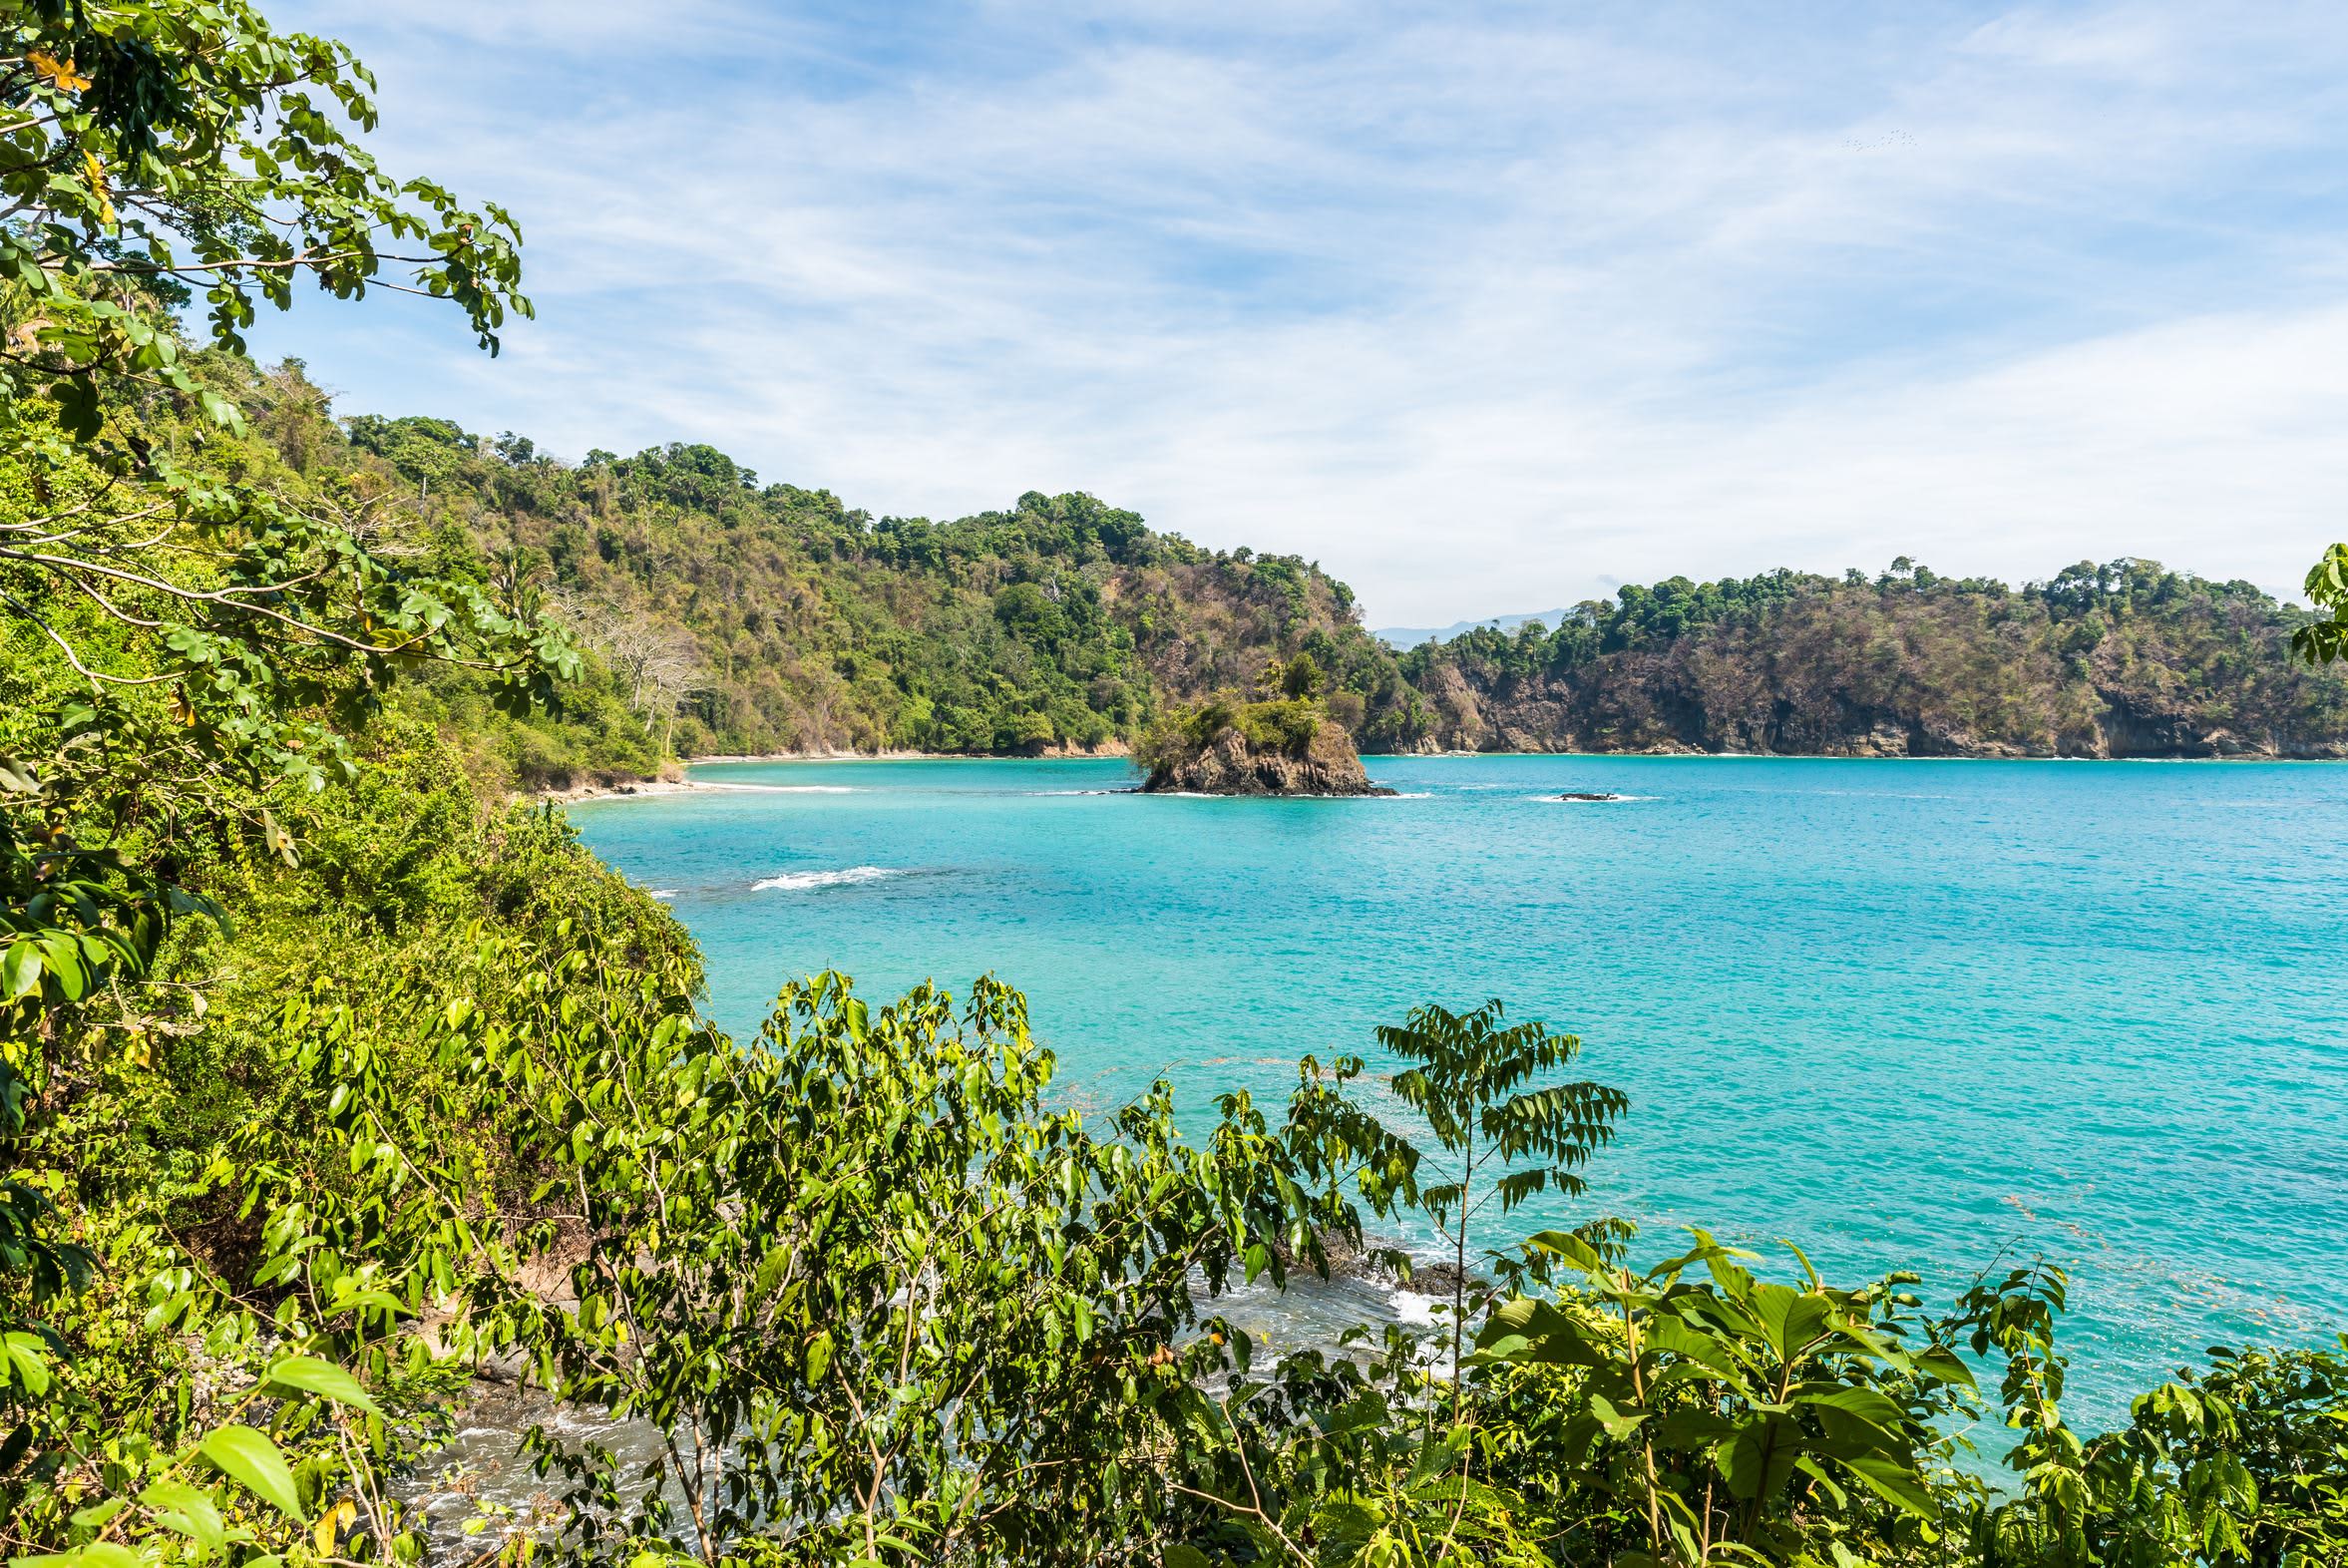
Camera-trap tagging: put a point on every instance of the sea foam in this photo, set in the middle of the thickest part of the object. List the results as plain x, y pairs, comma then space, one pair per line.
782, 789
797, 880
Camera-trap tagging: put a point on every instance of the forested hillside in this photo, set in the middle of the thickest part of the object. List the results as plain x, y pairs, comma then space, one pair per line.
750, 618
735, 617
2121, 660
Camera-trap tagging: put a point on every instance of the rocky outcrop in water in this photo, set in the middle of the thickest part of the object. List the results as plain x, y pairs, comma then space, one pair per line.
1231, 762
1279, 740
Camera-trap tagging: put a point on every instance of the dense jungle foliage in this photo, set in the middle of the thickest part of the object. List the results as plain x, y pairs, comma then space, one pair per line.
762, 619
768, 618
715, 615
733, 618
2121, 659
722, 616
326, 1081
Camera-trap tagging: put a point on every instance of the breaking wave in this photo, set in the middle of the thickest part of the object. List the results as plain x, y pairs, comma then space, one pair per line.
798, 880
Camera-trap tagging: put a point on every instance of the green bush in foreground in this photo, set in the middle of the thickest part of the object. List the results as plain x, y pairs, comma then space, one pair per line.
884, 1302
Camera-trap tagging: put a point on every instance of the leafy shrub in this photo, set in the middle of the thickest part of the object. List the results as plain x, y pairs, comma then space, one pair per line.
1286, 726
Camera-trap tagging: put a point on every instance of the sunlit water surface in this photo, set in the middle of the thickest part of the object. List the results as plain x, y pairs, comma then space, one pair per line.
1906, 1014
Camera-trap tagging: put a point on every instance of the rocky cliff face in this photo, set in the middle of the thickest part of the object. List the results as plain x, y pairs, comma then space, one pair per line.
1541, 715
1227, 763
1856, 672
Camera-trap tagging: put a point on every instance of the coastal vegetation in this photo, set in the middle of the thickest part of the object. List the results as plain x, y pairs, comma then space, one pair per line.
329, 1079
750, 618
722, 615
718, 615
756, 619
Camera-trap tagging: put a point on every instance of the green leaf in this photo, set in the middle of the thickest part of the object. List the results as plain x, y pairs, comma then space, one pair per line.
249, 1457
277, 840
1896, 1483
76, 403
1573, 1249
1934, 1362
62, 957
1619, 1423
1693, 1343
1866, 1405
221, 412
188, 1509
325, 1379
98, 1554
24, 1356
20, 970
97, 1514
1817, 1472
1530, 1329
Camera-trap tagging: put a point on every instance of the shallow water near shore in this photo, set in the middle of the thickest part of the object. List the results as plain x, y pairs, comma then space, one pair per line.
1906, 1014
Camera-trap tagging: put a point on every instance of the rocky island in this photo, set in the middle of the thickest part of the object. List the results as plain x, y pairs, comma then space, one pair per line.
1278, 740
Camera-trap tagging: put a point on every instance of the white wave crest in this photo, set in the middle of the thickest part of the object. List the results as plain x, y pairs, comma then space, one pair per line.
782, 789
662, 893
1411, 1307
797, 880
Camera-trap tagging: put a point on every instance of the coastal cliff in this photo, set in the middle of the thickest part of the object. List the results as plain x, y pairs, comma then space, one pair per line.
2120, 660
1544, 716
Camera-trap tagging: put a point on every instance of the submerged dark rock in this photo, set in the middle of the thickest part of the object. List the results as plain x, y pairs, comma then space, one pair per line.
1341, 1257
1440, 1280
1587, 794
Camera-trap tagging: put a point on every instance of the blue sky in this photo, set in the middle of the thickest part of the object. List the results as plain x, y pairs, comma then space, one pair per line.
1485, 307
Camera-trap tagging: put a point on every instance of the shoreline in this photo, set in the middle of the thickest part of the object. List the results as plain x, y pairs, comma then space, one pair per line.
844, 756
1106, 753
1578, 756
625, 789
1849, 756
579, 794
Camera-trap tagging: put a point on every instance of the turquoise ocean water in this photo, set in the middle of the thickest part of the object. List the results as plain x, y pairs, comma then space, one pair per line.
1906, 1014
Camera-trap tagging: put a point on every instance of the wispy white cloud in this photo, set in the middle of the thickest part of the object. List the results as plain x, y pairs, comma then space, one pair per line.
1480, 311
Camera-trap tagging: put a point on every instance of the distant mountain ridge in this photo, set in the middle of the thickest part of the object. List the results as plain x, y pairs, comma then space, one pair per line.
1401, 638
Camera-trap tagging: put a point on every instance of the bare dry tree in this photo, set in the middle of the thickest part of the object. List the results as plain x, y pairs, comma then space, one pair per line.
660, 666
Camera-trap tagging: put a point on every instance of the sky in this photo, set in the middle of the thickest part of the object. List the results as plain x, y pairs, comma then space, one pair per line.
1485, 307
